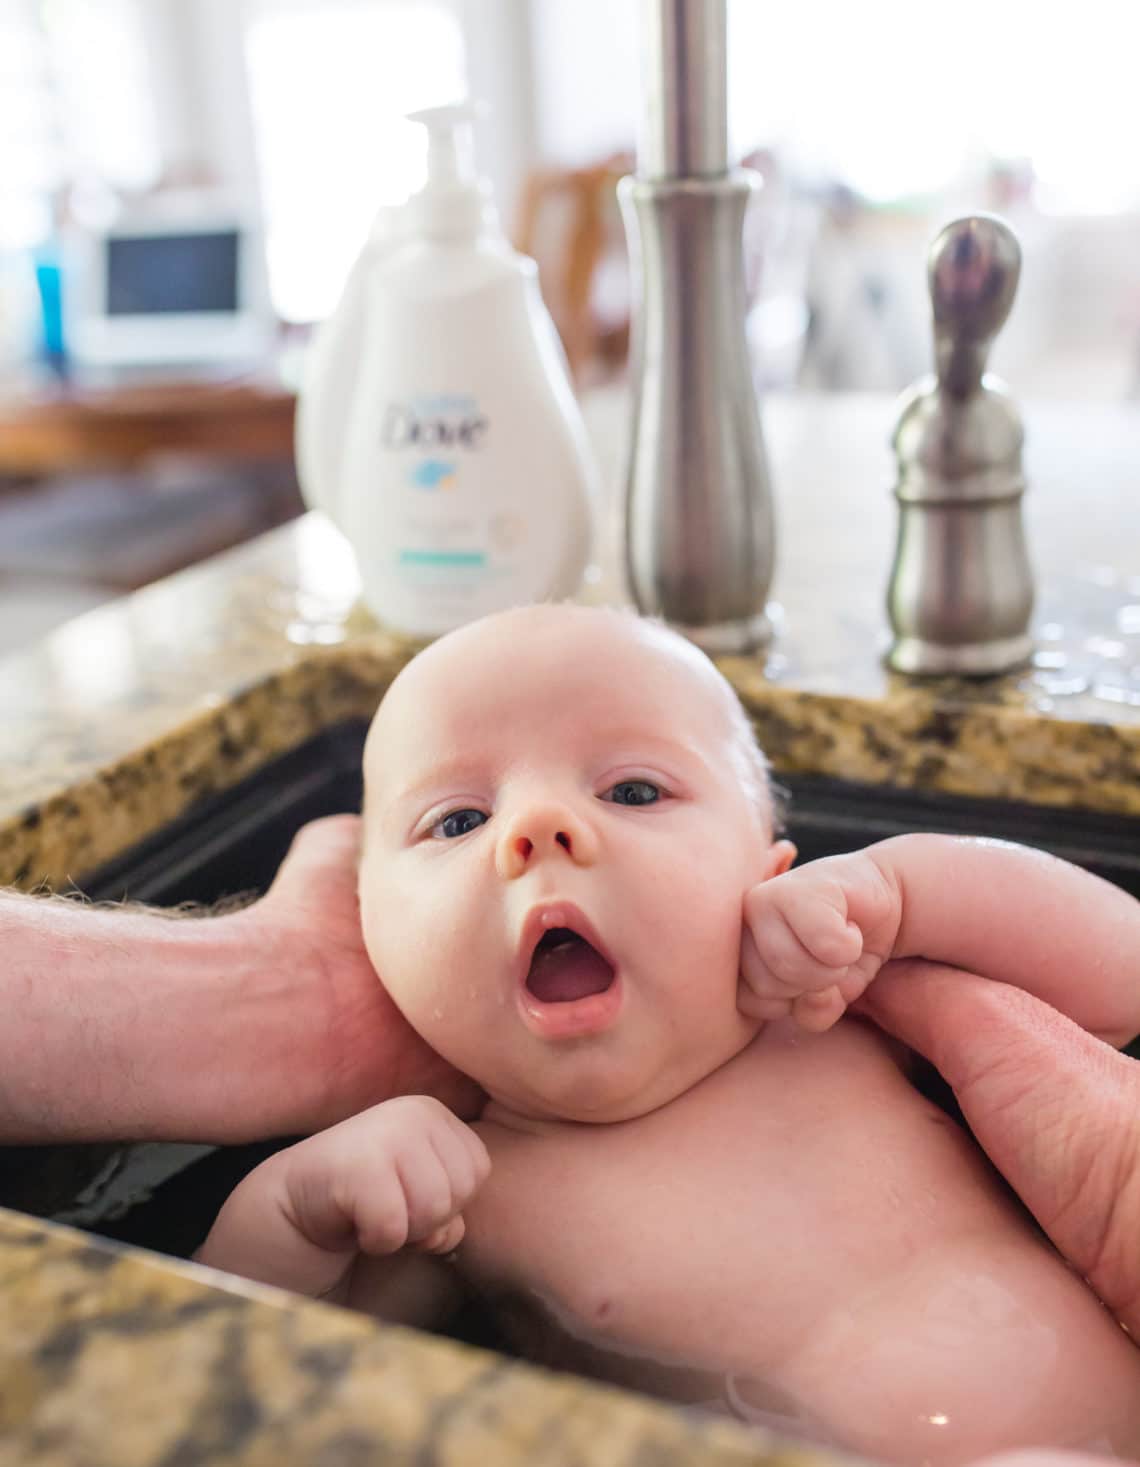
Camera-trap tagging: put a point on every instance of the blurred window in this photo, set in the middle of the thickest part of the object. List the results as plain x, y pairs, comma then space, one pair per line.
330, 84
60, 122
895, 106
29, 133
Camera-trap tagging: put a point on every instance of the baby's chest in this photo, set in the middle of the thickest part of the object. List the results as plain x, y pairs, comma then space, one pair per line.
652, 1232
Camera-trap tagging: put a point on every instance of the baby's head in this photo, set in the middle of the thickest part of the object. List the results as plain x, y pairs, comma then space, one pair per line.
563, 809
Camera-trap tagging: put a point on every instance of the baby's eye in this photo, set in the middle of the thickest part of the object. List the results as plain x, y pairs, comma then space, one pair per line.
633, 792
457, 823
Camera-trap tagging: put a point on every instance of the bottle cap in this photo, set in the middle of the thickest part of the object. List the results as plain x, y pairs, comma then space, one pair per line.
454, 203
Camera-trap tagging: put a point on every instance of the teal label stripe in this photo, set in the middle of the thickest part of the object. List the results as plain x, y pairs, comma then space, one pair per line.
442, 557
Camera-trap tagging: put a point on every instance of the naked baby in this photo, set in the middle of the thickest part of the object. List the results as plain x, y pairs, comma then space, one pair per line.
695, 1174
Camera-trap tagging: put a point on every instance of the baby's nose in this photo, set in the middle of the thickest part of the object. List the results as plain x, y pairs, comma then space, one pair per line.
540, 833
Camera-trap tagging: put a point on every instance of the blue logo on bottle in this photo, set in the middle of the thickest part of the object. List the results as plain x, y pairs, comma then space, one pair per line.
432, 473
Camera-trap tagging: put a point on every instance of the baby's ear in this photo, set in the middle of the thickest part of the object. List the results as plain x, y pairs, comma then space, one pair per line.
778, 859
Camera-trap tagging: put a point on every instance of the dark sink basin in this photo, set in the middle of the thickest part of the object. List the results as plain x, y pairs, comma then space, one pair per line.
165, 1197
236, 841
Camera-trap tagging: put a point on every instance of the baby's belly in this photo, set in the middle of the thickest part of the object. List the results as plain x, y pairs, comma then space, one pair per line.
987, 1343
967, 1355
828, 1256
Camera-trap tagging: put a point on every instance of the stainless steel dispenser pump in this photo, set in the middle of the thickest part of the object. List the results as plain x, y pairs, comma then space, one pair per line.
698, 513
961, 589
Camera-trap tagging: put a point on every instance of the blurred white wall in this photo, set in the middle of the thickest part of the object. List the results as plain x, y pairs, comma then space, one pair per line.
839, 95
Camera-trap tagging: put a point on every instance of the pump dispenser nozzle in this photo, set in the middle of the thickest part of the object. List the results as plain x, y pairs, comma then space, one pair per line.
454, 203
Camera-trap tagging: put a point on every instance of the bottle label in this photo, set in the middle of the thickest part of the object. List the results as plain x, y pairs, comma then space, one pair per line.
452, 535
442, 423
461, 514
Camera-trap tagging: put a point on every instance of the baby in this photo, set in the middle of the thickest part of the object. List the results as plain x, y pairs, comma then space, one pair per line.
693, 1174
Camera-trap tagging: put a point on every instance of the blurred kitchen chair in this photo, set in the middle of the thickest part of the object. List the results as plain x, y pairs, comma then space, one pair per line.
570, 224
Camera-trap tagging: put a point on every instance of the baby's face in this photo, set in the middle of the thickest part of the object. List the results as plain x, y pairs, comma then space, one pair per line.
557, 844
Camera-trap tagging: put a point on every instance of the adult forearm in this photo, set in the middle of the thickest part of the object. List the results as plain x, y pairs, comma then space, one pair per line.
128, 1024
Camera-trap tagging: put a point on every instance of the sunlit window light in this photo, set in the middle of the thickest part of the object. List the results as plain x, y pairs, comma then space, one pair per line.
330, 86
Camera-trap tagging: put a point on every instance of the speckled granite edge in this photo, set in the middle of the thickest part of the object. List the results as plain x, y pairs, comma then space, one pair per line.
114, 1356
918, 738
936, 739
104, 812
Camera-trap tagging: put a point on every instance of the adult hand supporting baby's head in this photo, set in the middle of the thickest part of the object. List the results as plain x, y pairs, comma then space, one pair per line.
1057, 1111
351, 1047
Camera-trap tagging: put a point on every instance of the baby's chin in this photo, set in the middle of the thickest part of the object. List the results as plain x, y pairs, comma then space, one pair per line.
600, 1099
539, 1111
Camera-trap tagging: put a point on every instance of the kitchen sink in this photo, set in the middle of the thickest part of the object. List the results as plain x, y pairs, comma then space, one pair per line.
165, 1196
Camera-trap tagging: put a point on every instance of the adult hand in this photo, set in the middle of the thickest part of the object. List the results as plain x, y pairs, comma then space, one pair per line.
353, 1046
1057, 1111
128, 1023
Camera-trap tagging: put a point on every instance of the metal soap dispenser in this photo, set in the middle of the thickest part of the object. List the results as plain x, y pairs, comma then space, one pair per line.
961, 589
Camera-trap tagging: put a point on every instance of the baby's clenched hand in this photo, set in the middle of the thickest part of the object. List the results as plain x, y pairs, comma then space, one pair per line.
814, 938
395, 1176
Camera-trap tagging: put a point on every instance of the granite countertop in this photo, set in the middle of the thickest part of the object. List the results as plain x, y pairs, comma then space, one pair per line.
120, 720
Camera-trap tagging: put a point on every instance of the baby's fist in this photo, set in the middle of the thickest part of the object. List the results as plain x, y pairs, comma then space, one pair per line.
810, 940
395, 1176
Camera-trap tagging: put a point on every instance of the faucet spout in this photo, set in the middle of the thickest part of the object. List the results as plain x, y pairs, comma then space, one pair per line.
684, 123
698, 509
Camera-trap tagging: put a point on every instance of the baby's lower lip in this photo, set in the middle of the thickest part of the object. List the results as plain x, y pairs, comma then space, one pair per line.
575, 1020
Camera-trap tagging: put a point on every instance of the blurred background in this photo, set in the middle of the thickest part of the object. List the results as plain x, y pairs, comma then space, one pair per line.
260, 137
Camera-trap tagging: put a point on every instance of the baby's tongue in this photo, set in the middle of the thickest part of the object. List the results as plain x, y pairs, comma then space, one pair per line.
566, 967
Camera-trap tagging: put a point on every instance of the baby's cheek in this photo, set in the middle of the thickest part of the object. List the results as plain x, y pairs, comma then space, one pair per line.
701, 929
388, 928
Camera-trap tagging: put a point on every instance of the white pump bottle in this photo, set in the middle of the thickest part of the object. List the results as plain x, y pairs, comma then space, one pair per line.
465, 481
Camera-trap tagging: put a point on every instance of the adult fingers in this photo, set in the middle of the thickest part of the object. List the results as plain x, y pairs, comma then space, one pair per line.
1057, 1111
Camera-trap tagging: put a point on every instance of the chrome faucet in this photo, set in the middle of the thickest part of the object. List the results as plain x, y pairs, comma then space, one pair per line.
698, 513
961, 589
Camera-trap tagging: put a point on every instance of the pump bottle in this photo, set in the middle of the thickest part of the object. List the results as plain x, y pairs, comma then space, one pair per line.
465, 481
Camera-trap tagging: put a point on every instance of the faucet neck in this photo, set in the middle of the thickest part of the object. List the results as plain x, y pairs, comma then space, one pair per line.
960, 362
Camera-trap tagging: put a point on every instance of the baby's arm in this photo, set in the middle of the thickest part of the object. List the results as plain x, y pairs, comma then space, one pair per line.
317, 1217
815, 937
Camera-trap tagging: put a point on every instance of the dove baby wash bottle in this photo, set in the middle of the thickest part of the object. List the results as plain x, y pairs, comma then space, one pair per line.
466, 480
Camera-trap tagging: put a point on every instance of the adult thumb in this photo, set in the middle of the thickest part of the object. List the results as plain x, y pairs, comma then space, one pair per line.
1056, 1110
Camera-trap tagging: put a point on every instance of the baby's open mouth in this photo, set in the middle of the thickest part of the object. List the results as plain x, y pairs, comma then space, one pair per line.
565, 967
